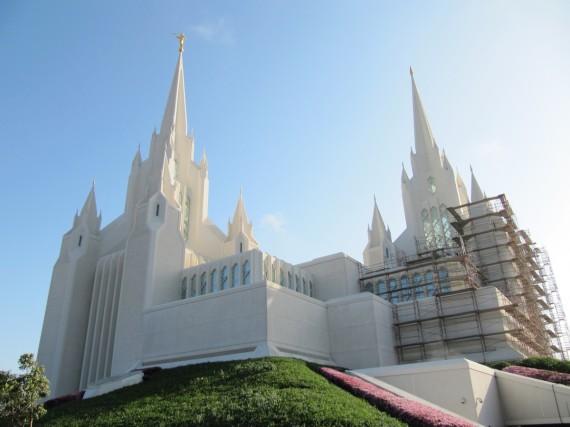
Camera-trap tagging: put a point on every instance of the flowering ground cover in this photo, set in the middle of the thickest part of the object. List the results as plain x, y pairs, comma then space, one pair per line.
540, 374
415, 414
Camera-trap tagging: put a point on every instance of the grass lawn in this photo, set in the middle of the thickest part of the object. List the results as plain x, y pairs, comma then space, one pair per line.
258, 392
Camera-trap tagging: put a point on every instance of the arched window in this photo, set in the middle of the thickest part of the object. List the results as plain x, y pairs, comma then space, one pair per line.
445, 222
418, 286
289, 280
203, 284
381, 284
444, 285
224, 284
393, 290
305, 290
193, 286
429, 284
184, 290
428, 230
368, 287
186, 223
406, 291
281, 277
214, 280
311, 289
436, 224
246, 276
235, 276
297, 284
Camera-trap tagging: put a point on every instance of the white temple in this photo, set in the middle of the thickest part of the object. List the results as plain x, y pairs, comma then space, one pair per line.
162, 285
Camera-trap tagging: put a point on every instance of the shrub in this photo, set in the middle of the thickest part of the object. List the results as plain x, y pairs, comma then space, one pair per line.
548, 363
498, 365
78, 395
540, 374
413, 413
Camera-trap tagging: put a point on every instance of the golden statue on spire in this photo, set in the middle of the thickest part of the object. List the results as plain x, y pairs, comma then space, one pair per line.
181, 37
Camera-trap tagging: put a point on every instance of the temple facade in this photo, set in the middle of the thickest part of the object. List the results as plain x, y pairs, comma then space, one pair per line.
162, 285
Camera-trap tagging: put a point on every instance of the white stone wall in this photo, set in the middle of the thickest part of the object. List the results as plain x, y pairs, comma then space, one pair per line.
334, 275
360, 331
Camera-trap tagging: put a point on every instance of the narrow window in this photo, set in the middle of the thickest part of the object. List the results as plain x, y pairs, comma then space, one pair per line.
240, 247
297, 284
289, 280
246, 276
387, 253
437, 229
445, 222
193, 290
382, 289
273, 274
157, 209
444, 285
235, 276
184, 289
214, 280
429, 284
406, 292
418, 286
428, 230
305, 290
224, 278
282, 277
203, 284
80, 239
186, 222
393, 290
311, 289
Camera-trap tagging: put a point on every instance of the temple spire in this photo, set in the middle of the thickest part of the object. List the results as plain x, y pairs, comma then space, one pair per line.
175, 112
378, 230
88, 213
422, 130
476, 192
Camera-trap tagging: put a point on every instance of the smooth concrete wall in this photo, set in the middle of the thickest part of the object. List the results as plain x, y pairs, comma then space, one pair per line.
335, 276
527, 401
297, 324
458, 385
360, 331
231, 321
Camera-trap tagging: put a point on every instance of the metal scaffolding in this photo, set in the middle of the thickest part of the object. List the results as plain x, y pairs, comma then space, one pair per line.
486, 249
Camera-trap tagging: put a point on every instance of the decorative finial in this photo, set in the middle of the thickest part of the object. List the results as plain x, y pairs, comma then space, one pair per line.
411, 71
181, 37
93, 185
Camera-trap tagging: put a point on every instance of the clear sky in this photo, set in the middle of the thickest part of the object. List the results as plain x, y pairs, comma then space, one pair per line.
306, 105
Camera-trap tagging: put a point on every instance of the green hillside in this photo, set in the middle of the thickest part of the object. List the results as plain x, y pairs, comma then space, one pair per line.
260, 392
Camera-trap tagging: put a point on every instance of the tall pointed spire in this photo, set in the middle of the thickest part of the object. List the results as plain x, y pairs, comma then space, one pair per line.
422, 130
240, 231
476, 192
88, 213
378, 230
175, 112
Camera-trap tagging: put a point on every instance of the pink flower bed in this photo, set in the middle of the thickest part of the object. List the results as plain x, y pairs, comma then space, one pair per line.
413, 413
539, 374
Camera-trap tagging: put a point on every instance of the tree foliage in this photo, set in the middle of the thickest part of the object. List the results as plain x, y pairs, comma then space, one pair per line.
20, 394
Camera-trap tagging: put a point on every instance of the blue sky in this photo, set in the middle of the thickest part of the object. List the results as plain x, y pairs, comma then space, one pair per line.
304, 105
